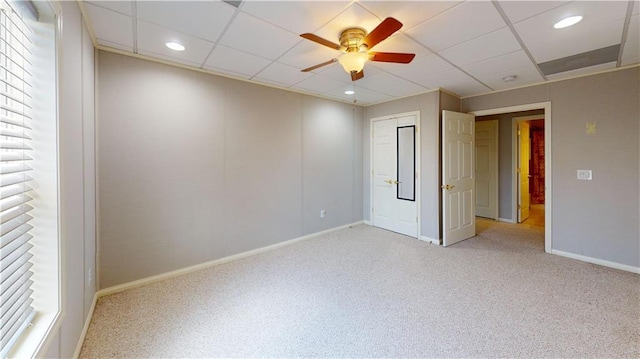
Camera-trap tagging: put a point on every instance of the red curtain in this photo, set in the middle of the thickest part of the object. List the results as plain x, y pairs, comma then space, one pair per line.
537, 166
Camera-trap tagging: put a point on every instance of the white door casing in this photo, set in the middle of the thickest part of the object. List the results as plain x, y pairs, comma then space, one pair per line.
389, 210
458, 177
487, 169
524, 155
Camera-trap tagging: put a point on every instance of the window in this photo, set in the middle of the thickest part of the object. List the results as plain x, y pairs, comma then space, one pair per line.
27, 177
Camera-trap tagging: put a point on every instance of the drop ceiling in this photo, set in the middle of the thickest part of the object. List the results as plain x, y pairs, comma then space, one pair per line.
464, 47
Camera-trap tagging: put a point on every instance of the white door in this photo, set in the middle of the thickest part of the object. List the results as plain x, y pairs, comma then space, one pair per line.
458, 177
487, 169
524, 156
394, 205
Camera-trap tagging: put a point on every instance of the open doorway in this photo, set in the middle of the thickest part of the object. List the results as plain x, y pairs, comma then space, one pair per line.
529, 155
528, 175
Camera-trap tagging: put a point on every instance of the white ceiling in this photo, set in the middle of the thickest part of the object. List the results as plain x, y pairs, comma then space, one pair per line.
465, 47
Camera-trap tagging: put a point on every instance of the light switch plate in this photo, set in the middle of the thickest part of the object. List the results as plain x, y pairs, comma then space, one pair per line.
584, 175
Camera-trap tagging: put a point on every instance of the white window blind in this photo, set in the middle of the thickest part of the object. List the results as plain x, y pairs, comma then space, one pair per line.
16, 311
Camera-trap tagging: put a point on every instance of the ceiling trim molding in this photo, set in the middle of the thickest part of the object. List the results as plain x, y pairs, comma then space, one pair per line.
556, 80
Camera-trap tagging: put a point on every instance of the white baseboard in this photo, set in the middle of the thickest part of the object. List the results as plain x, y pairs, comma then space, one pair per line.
429, 239
201, 266
601, 262
87, 321
368, 223
506, 220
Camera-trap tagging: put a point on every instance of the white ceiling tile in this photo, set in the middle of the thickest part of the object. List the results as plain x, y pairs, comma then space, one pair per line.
405, 89
114, 45
281, 74
353, 16
601, 27
630, 53
636, 8
453, 80
123, 7
250, 34
111, 27
227, 59
411, 15
481, 48
379, 81
365, 96
582, 71
498, 64
297, 16
525, 75
631, 50
203, 19
634, 29
458, 24
569, 43
307, 54
401, 43
420, 67
152, 39
319, 84
520, 10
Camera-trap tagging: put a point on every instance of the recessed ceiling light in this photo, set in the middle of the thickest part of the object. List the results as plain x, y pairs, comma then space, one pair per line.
509, 78
568, 21
349, 92
175, 46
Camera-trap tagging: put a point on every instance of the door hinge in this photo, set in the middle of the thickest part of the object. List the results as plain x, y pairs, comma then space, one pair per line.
416, 219
371, 209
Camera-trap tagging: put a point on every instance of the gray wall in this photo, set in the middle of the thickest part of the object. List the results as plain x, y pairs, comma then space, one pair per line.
429, 105
76, 177
193, 167
505, 159
597, 218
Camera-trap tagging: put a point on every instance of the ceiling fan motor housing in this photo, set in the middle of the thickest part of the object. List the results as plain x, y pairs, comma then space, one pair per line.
351, 39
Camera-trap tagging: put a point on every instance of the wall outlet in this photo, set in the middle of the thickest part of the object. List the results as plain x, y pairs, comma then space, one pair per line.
323, 213
584, 175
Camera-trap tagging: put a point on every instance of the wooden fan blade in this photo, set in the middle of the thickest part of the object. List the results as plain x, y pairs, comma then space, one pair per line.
320, 40
398, 57
319, 65
357, 75
386, 28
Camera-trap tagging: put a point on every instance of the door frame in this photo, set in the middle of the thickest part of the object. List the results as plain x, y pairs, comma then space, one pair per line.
515, 151
548, 199
418, 173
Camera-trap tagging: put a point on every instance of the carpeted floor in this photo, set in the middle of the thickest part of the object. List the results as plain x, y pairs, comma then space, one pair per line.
366, 292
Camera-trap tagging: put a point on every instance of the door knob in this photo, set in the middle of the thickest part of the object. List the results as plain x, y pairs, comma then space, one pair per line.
448, 187
396, 181
388, 181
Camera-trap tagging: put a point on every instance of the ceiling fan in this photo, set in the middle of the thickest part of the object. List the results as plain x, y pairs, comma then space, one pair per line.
356, 44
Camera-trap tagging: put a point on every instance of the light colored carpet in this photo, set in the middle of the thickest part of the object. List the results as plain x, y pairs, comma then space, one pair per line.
366, 292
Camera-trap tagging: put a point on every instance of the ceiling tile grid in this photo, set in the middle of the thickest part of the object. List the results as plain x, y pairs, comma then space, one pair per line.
465, 47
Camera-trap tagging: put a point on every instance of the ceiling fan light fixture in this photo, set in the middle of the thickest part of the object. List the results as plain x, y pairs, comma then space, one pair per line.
175, 46
353, 61
567, 21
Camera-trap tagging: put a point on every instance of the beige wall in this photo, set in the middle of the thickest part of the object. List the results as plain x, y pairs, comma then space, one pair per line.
598, 218
194, 167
